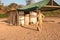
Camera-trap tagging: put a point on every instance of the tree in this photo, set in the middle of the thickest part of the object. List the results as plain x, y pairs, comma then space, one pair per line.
12, 6
31, 1
28, 2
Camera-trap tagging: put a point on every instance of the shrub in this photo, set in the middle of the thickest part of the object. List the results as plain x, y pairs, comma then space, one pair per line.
3, 15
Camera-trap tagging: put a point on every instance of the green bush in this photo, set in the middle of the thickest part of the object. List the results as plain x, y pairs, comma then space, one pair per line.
51, 13
3, 15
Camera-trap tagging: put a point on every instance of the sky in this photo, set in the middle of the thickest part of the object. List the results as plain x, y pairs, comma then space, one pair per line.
7, 2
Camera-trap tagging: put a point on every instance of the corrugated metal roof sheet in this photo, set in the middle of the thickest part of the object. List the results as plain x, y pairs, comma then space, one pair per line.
34, 6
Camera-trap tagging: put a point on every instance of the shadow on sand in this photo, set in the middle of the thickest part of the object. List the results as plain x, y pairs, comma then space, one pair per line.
21, 26
5, 21
30, 28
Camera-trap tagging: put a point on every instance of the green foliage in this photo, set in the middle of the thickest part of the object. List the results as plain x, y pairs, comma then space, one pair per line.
52, 13
3, 15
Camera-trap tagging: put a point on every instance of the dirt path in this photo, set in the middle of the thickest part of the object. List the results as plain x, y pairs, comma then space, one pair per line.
50, 31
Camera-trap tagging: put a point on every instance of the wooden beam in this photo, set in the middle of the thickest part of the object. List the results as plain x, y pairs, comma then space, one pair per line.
17, 18
52, 6
52, 2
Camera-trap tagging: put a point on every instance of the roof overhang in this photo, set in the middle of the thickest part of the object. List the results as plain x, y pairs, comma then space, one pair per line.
50, 8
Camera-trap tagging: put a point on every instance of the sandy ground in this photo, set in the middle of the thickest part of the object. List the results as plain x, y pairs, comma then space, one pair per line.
50, 31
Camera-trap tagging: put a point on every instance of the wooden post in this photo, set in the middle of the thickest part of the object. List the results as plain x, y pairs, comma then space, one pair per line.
52, 2
10, 18
29, 17
13, 18
17, 18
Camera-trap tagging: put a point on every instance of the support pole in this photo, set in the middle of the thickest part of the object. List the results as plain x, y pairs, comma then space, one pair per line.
52, 2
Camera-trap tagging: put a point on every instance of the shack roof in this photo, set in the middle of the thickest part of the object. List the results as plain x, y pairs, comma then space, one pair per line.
43, 5
52, 5
34, 6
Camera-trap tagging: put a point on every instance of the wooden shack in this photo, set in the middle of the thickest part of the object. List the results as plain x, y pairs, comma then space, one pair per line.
21, 17
52, 5
17, 17
26, 18
12, 17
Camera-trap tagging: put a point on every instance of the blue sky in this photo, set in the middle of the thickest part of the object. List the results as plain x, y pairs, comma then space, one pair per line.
7, 2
